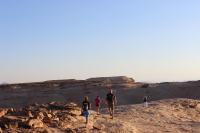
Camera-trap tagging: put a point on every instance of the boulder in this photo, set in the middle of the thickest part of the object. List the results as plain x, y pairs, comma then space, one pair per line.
35, 123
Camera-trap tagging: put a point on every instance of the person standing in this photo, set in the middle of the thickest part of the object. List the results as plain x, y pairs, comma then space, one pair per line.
111, 102
98, 104
145, 100
86, 106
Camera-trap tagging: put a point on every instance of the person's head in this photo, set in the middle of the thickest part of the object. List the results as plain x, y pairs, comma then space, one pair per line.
86, 98
98, 96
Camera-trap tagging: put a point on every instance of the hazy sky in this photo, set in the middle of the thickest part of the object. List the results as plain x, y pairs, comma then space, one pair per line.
149, 40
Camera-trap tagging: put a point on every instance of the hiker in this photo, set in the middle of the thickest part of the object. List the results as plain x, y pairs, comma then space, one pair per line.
145, 100
111, 102
98, 103
85, 108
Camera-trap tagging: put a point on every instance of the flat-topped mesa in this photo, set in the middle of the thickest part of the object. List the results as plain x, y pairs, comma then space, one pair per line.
112, 80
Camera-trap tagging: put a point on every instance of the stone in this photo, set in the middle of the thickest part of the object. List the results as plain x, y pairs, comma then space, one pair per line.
35, 123
56, 119
40, 116
3, 112
30, 114
10, 110
49, 115
71, 119
99, 126
13, 125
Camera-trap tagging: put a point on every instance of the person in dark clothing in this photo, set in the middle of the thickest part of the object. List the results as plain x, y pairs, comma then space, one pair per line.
145, 100
86, 106
111, 102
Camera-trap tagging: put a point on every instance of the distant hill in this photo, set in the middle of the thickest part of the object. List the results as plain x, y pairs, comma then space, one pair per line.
126, 89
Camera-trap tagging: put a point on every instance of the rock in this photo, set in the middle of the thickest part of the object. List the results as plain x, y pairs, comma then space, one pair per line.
6, 126
69, 130
71, 119
3, 112
99, 126
10, 110
35, 123
40, 116
56, 119
75, 113
13, 125
49, 115
30, 114
192, 105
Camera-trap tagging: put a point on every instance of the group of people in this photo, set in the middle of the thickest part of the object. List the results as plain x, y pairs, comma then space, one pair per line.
110, 101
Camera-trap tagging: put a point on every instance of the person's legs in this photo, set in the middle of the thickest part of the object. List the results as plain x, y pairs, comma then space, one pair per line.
112, 110
86, 119
146, 104
86, 114
98, 109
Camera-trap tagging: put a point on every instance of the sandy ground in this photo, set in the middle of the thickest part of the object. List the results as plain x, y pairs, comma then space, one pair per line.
170, 116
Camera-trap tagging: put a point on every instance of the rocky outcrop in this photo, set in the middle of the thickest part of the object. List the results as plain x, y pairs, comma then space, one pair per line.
112, 80
31, 118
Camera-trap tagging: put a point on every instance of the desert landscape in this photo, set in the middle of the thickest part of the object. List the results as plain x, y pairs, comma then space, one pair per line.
54, 106
99, 66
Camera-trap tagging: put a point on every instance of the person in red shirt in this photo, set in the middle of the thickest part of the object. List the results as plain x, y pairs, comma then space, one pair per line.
98, 104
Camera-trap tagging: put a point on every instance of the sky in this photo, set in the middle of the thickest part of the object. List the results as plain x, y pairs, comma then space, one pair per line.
149, 40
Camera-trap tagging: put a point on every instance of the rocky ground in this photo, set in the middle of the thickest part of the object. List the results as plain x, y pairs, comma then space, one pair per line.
174, 116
